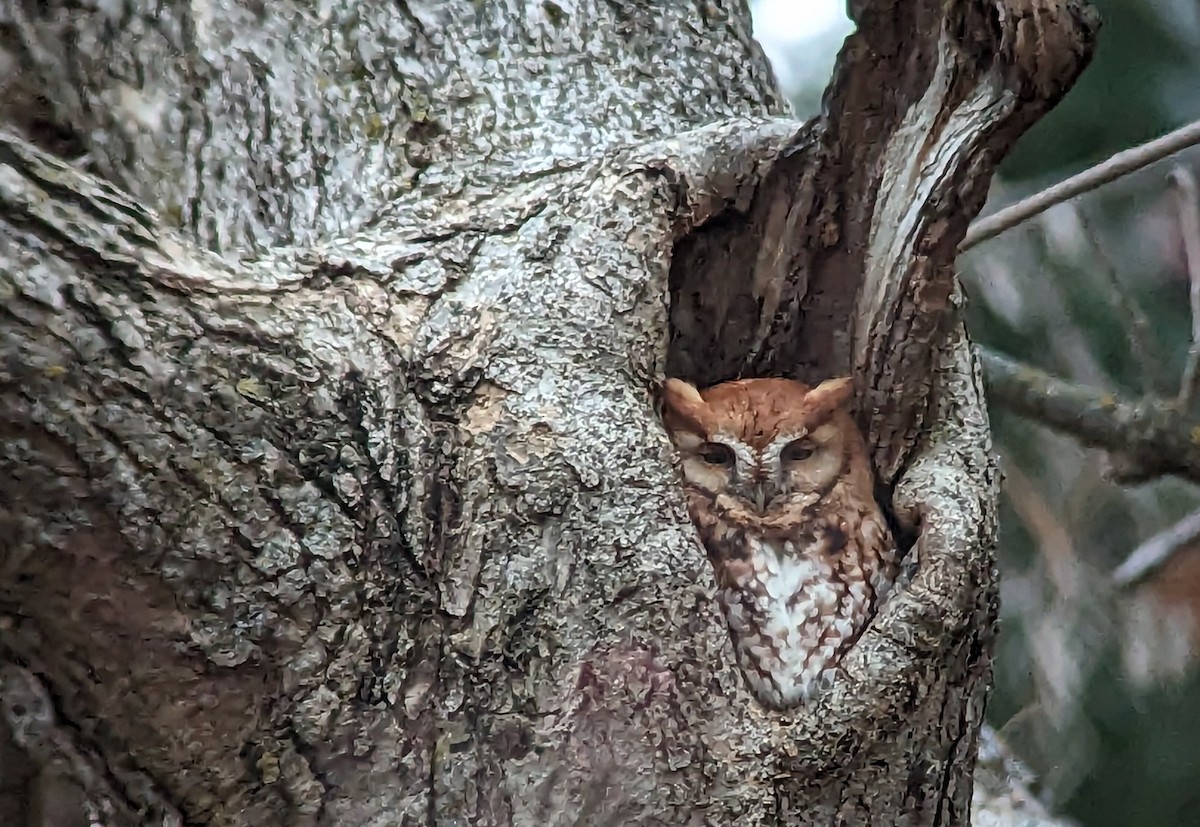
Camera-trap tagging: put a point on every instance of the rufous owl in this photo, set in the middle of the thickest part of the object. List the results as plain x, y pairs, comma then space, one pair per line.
780, 487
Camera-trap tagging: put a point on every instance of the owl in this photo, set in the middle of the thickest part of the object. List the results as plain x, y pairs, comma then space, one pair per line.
780, 487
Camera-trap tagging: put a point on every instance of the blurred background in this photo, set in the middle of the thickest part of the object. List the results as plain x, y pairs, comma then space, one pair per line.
1097, 681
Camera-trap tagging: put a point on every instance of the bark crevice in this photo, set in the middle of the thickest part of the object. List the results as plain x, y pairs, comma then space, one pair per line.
376, 524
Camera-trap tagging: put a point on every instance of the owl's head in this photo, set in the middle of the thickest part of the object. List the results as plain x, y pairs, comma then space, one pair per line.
764, 441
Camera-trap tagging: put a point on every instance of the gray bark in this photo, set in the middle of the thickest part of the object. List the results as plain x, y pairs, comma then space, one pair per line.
332, 491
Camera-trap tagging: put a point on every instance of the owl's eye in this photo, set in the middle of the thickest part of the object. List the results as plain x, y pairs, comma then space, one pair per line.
714, 453
796, 450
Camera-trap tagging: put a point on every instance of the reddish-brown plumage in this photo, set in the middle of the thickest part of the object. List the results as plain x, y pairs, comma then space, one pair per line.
755, 411
780, 488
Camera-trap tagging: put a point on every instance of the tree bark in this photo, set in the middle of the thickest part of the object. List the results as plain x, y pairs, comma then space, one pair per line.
333, 492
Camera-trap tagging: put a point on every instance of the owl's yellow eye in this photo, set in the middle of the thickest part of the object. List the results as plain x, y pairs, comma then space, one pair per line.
796, 451
714, 453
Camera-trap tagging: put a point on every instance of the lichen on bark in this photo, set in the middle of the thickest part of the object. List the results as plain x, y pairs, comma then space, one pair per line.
332, 489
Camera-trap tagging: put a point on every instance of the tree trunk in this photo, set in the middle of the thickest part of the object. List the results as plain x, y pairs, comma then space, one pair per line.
332, 489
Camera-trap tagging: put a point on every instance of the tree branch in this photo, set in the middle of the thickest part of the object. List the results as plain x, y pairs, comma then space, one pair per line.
1153, 553
1151, 370
1162, 439
1186, 191
1103, 173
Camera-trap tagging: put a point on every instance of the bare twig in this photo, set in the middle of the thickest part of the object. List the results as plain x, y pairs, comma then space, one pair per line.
1157, 551
1160, 437
1105, 172
1184, 182
1151, 374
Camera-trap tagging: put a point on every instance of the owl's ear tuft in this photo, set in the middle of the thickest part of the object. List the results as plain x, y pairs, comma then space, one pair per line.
829, 396
683, 405
677, 389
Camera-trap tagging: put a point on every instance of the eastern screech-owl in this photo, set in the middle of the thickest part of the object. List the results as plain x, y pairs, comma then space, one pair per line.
780, 486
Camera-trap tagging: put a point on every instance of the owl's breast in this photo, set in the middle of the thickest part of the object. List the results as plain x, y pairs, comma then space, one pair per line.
793, 608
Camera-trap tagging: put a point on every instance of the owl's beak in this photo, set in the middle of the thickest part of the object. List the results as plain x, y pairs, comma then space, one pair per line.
761, 496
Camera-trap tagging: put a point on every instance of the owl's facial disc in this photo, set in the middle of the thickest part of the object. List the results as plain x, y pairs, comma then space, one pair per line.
710, 464
808, 462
